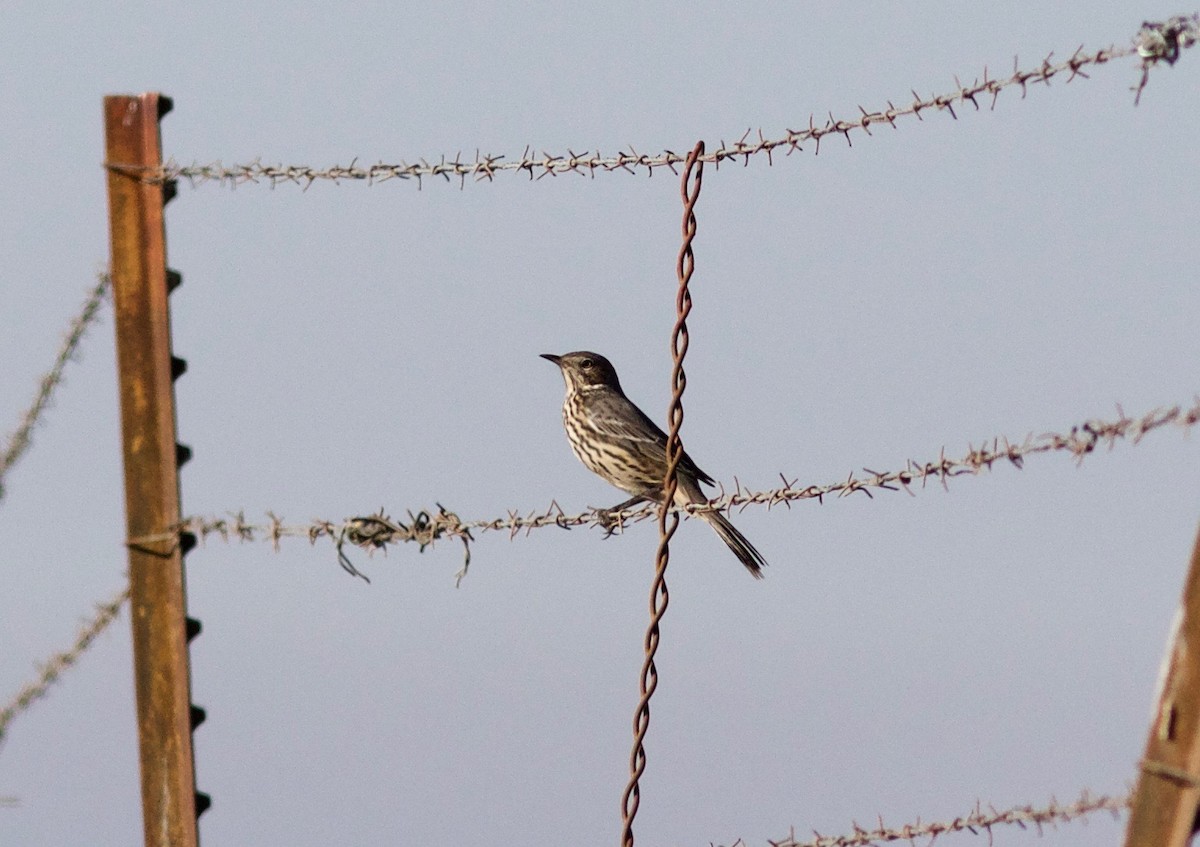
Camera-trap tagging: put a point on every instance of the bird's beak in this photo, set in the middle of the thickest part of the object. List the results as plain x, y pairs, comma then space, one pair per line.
551, 357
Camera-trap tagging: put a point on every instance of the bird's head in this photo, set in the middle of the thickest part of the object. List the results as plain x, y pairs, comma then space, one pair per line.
584, 370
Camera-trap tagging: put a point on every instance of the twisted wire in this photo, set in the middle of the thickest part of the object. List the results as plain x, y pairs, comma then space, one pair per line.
668, 518
52, 670
1155, 42
22, 437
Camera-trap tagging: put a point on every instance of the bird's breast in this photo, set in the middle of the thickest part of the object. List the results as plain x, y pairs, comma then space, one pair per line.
633, 465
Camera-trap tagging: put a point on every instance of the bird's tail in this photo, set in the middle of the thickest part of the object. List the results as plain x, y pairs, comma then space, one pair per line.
737, 542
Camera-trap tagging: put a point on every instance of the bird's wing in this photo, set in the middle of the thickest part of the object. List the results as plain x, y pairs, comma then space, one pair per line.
620, 418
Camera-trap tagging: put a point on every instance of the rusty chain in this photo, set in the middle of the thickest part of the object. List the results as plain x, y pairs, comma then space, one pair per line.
1155, 42
22, 437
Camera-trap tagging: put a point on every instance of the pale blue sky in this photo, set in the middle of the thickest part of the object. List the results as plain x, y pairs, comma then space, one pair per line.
1017, 271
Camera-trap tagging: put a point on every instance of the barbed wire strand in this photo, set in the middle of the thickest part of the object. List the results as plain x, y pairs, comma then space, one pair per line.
1156, 42
378, 531
22, 437
52, 670
668, 518
977, 820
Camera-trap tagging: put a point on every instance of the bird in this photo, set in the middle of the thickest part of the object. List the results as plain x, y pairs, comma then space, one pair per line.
617, 441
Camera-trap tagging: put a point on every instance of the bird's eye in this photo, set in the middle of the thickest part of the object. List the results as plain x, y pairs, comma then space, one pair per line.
586, 364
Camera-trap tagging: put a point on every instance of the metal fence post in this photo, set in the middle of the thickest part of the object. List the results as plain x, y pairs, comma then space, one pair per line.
161, 629
1164, 805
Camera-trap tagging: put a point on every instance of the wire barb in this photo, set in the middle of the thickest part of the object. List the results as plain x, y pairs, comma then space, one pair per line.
22, 437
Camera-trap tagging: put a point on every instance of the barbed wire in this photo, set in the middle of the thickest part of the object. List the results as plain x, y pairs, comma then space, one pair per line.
51, 671
1155, 42
378, 531
21, 439
976, 821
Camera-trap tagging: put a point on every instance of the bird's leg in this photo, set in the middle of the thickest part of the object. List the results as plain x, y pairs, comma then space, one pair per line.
625, 504
610, 518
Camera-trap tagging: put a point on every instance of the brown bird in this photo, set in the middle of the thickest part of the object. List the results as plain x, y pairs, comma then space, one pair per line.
615, 440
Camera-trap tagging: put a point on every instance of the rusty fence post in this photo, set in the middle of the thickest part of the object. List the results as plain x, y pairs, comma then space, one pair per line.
146, 371
1167, 796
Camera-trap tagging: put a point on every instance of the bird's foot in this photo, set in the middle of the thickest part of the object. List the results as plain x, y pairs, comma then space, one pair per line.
613, 518
609, 519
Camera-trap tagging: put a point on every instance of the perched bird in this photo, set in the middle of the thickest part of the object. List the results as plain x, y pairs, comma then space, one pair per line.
614, 439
